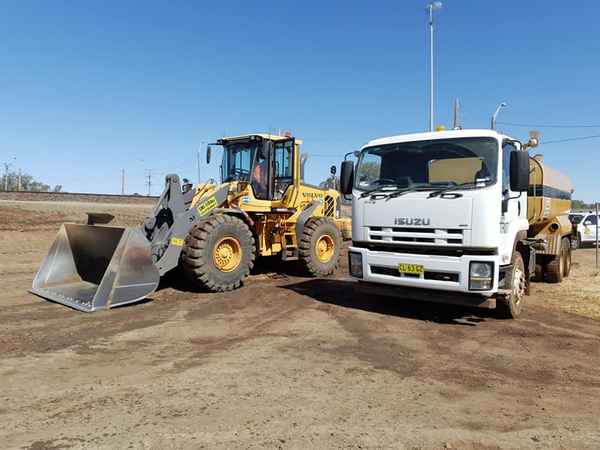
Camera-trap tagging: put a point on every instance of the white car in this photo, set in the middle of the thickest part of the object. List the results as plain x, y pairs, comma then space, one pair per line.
586, 224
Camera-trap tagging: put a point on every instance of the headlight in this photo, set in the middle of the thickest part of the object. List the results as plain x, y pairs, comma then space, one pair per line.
355, 264
481, 276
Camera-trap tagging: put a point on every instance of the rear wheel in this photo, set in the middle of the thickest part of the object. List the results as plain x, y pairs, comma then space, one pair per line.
510, 305
218, 253
560, 265
320, 247
566, 243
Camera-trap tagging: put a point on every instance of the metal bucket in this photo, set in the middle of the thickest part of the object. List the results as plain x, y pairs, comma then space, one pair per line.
93, 267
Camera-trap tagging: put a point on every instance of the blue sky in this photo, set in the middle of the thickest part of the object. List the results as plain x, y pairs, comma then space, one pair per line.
90, 87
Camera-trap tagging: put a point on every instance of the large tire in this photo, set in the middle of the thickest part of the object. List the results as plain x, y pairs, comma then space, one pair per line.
566, 243
556, 268
218, 253
320, 247
510, 306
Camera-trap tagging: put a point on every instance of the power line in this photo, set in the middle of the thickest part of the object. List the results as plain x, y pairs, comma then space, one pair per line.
529, 125
579, 138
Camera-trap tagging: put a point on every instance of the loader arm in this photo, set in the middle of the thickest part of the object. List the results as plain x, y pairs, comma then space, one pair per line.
173, 217
95, 267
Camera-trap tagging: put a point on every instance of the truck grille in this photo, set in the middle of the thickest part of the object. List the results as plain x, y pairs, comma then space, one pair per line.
435, 236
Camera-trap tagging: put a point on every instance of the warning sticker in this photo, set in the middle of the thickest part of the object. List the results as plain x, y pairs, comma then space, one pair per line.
207, 206
178, 242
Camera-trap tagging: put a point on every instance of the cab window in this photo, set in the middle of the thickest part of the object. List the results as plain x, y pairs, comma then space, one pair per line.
282, 167
591, 220
507, 149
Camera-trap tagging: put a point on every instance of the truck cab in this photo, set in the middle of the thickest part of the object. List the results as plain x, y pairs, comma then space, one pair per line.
443, 216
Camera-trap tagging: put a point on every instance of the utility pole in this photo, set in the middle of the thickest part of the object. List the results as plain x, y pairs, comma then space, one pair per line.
149, 182
122, 181
597, 226
6, 168
495, 115
19, 187
431, 7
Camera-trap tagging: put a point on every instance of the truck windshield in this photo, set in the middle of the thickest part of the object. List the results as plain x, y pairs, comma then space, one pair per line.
429, 164
237, 161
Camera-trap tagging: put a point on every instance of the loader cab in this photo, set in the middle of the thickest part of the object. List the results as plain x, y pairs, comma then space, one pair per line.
265, 162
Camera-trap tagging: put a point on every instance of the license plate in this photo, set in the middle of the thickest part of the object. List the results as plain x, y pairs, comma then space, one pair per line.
411, 269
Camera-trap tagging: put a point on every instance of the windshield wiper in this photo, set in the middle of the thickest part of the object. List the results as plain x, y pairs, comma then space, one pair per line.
378, 188
468, 184
399, 192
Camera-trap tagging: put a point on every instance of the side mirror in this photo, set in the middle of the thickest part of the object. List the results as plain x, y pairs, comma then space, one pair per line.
519, 171
346, 177
333, 170
208, 154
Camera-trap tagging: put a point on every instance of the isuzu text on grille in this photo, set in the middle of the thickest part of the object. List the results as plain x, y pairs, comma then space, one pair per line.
411, 221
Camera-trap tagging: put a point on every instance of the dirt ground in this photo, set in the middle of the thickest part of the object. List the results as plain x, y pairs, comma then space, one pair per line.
288, 362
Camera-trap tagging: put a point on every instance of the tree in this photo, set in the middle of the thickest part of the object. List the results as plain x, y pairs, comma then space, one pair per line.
10, 182
578, 204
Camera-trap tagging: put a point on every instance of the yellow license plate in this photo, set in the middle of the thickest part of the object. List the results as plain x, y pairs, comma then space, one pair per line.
411, 269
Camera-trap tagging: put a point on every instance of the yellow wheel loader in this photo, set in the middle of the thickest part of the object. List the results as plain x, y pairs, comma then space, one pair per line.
213, 231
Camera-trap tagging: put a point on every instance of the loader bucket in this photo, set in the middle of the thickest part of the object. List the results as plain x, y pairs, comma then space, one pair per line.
93, 267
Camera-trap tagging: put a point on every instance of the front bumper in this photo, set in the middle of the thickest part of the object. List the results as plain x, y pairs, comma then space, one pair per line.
443, 274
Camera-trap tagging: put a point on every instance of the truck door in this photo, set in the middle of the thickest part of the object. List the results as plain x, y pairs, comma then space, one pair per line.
590, 225
513, 204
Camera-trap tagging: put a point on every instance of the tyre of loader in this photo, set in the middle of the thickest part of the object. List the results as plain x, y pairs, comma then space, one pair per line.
218, 253
93, 267
320, 247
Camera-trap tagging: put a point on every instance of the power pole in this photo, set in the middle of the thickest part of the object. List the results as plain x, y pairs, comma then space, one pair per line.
431, 7
149, 182
597, 226
19, 187
122, 181
6, 168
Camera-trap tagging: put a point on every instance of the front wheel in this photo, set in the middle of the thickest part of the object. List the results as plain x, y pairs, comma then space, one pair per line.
320, 247
511, 305
218, 253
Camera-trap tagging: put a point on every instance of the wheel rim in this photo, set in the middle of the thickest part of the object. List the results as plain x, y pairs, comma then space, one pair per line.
325, 248
518, 286
227, 254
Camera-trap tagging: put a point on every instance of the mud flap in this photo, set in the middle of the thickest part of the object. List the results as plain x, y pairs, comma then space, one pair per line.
90, 268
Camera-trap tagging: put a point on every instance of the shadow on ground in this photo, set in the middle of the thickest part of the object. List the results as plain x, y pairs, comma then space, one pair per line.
264, 268
341, 293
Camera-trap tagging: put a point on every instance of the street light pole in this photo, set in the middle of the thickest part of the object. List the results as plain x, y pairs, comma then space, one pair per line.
433, 6
495, 115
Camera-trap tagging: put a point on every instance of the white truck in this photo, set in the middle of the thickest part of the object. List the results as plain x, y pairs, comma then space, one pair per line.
463, 216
